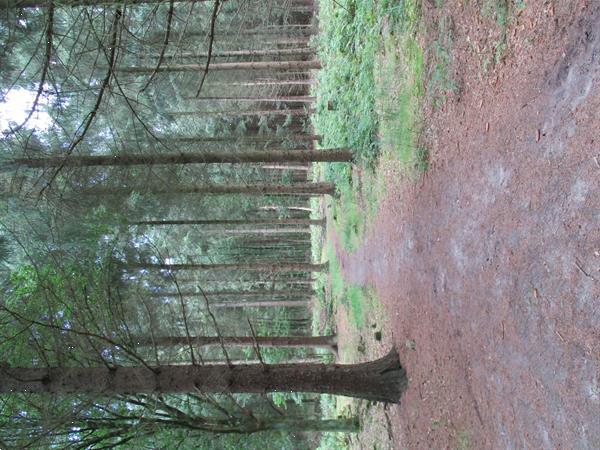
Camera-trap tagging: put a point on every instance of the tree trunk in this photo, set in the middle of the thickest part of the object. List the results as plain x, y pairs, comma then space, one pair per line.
264, 267
214, 157
286, 99
284, 167
305, 82
381, 380
262, 304
263, 293
249, 139
63, 3
315, 222
324, 188
248, 65
328, 342
238, 113
246, 53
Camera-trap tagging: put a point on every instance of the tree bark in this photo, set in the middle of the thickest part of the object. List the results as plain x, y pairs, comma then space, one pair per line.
381, 380
286, 99
246, 53
323, 188
214, 157
314, 222
250, 139
263, 293
328, 342
248, 65
63, 3
238, 113
262, 304
264, 267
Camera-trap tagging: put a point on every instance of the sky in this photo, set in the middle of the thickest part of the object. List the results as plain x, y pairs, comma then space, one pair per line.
16, 106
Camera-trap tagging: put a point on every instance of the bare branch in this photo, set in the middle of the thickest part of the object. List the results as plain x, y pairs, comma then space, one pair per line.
164, 46
47, 56
211, 40
103, 88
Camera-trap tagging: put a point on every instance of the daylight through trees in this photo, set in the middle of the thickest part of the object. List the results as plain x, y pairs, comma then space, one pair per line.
155, 232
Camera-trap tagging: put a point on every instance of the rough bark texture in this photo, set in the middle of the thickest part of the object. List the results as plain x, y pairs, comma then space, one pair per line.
287, 99
264, 293
41, 4
321, 188
263, 304
380, 380
251, 156
250, 65
247, 53
264, 267
240, 341
316, 222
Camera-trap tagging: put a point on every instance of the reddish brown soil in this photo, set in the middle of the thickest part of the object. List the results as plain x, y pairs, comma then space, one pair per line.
491, 262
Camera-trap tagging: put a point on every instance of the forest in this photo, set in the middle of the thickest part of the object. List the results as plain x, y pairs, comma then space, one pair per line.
299, 224
155, 231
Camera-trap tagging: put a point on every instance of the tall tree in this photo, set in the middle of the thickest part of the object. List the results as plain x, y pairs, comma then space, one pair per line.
380, 380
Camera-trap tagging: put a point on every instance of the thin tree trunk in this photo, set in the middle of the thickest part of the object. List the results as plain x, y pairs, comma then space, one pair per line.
306, 82
263, 267
262, 304
246, 53
263, 293
283, 167
315, 222
324, 188
238, 113
70, 3
248, 65
381, 380
293, 208
286, 99
215, 157
328, 342
249, 139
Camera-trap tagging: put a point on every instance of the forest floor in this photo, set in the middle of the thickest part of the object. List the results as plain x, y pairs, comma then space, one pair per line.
484, 269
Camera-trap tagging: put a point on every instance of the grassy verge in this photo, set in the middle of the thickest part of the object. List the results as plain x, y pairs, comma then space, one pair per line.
369, 96
355, 314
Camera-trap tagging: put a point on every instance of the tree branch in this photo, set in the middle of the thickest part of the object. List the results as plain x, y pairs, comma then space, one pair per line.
211, 38
103, 88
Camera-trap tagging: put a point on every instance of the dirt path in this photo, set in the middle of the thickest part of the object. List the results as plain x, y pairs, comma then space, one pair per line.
491, 264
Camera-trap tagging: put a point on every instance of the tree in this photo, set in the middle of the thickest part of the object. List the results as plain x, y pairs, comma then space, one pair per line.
380, 380
328, 342
253, 65
323, 188
315, 222
263, 267
249, 156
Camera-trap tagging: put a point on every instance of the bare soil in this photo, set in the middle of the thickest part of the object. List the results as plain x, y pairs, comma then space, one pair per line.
489, 266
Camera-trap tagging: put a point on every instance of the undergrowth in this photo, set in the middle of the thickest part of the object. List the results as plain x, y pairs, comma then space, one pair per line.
369, 95
368, 99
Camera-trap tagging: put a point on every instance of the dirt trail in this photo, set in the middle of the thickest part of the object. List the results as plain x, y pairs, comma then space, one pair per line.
491, 264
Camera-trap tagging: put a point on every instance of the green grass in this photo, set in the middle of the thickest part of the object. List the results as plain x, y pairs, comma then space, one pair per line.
369, 96
372, 77
347, 46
